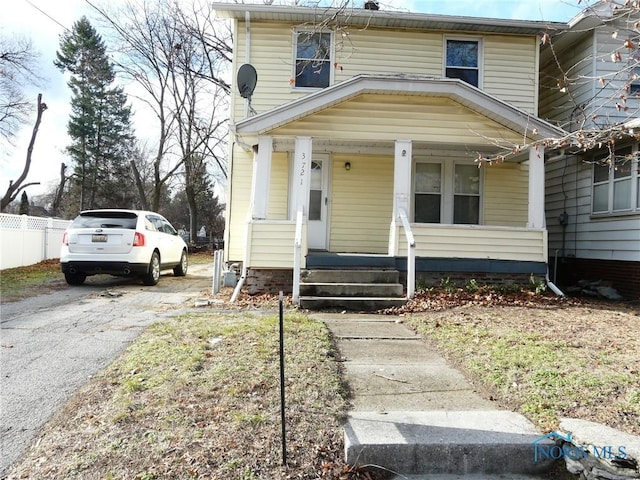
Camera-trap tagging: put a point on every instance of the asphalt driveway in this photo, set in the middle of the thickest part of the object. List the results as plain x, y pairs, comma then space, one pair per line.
52, 344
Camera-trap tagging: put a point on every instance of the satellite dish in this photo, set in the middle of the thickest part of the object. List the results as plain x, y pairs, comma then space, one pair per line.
247, 79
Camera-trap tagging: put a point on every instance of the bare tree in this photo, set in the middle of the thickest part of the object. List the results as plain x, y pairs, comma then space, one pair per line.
175, 58
17, 60
603, 118
15, 187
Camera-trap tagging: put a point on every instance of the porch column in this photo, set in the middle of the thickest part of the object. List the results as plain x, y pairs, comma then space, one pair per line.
301, 175
261, 177
536, 187
401, 177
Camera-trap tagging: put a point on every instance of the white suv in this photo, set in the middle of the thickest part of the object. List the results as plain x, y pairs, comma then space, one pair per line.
121, 243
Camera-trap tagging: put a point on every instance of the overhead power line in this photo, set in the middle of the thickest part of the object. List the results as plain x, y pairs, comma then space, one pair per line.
47, 15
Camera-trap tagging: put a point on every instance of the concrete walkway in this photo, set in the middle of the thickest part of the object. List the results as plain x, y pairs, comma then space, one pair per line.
413, 414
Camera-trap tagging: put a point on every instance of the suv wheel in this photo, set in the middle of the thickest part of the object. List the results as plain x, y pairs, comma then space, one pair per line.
181, 269
153, 274
75, 278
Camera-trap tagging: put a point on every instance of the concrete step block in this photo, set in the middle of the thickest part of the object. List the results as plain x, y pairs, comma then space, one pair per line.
350, 276
351, 289
490, 442
362, 304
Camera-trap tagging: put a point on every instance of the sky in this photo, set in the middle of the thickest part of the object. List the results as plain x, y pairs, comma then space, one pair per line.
43, 21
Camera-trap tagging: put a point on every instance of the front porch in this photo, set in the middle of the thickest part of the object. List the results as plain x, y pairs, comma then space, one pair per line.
488, 254
324, 178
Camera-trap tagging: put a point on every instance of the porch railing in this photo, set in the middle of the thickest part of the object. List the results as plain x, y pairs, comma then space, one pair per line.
297, 257
411, 254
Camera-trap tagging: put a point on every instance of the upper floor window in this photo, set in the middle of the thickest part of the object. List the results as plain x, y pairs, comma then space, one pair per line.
615, 188
313, 59
463, 60
633, 65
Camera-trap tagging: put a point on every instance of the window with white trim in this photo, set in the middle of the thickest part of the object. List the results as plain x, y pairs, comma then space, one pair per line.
466, 194
428, 192
462, 60
313, 59
633, 65
446, 192
616, 185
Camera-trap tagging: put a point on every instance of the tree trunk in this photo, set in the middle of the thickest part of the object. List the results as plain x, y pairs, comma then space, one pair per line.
16, 187
55, 207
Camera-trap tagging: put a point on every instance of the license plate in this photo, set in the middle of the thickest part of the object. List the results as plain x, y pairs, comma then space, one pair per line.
98, 238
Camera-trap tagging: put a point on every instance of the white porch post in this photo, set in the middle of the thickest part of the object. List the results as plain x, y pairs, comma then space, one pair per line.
401, 196
536, 187
301, 174
261, 177
402, 177
300, 186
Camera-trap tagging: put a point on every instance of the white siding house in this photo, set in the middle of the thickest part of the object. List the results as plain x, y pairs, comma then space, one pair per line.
593, 210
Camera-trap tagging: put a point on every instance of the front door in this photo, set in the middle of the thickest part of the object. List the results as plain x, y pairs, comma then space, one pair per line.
318, 204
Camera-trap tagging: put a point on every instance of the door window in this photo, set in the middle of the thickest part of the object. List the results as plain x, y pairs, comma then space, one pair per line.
315, 191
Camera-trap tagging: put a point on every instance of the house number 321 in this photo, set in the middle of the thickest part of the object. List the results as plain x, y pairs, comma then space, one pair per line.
302, 167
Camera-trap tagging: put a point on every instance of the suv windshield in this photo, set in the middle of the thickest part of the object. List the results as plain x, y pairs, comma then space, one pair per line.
106, 220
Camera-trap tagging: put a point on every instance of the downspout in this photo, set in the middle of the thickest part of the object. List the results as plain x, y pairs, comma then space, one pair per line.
552, 286
563, 222
243, 276
247, 55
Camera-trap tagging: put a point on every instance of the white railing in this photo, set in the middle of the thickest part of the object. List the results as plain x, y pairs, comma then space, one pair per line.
25, 240
411, 254
297, 257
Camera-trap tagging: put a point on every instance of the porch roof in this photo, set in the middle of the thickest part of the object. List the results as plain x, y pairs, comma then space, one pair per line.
474, 99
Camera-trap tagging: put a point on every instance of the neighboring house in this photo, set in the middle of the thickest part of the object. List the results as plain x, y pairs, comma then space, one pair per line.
593, 211
362, 134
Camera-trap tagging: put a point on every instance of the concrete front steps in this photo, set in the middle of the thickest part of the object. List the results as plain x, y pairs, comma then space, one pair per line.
353, 289
350, 282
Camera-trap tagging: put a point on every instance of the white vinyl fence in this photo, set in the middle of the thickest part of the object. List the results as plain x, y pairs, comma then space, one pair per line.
26, 240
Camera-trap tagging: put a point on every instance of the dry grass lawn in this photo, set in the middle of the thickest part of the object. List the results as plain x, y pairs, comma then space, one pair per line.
198, 397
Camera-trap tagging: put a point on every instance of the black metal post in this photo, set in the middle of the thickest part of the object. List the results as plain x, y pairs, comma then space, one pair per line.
282, 404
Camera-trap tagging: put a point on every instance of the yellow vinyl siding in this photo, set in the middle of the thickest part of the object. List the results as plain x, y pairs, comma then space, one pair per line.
375, 51
272, 244
242, 171
388, 117
510, 70
272, 57
495, 243
279, 187
508, 64
361, 204
506, 198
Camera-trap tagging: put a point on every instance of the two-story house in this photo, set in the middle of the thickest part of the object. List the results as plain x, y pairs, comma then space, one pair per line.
358, 146
590, 82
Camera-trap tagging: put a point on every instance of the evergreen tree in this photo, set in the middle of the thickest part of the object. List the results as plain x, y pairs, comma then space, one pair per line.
100, 123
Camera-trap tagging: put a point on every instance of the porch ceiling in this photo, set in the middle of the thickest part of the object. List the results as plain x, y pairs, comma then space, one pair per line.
377, 101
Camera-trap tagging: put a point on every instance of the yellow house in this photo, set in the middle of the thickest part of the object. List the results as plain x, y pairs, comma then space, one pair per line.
359, 147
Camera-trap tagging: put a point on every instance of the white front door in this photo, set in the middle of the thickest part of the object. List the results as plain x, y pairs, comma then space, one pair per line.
318, 203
